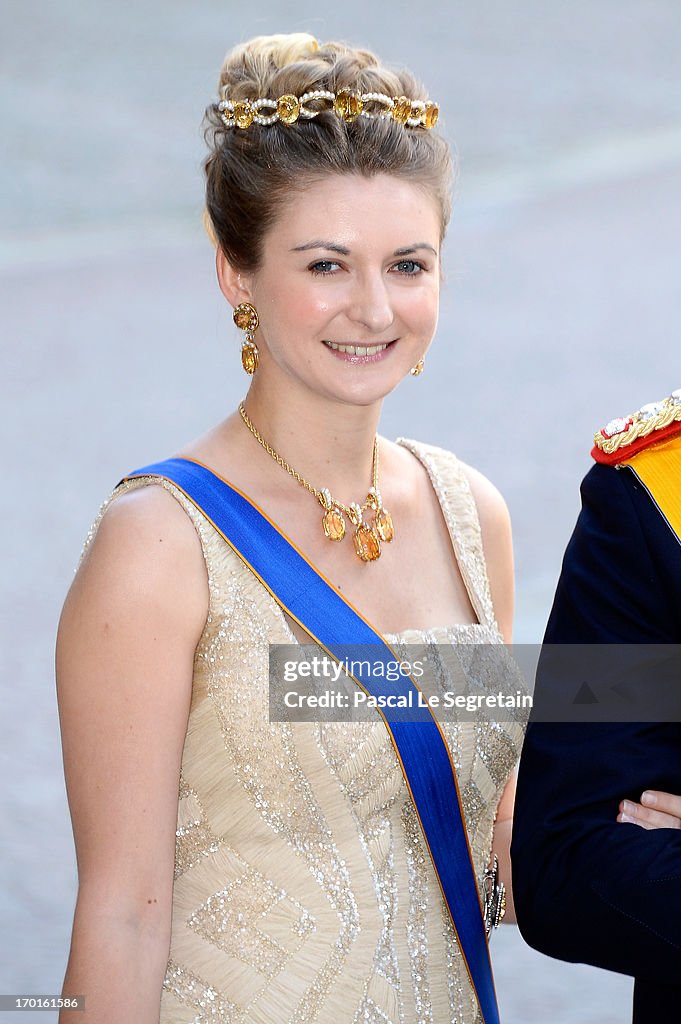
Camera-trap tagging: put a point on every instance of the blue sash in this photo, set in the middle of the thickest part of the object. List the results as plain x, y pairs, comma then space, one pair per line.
304, 594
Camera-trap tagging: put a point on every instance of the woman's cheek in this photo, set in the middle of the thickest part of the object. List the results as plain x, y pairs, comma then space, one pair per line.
421, 312
305, 307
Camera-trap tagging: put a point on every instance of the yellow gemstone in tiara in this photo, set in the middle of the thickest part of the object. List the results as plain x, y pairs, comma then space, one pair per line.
243, 114
288, 109
430, 115
401, 109
348, 105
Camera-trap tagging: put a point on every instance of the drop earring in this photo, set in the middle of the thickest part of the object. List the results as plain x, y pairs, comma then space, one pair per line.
246, 318
417, 370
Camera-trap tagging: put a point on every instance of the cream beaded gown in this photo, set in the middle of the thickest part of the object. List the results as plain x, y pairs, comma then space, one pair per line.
303, 889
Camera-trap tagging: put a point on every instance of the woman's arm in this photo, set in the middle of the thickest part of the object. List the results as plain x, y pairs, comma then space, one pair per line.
495, 526
124, 661
501, 843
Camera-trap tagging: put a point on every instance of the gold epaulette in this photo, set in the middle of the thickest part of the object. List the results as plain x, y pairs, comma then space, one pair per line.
624, 436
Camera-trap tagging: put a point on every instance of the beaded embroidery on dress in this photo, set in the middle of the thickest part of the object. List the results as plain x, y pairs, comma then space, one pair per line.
303, 890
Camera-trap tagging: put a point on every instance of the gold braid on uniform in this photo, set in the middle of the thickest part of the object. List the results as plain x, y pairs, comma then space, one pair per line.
624, 430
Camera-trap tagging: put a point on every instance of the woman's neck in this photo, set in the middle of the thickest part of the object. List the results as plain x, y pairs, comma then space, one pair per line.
329, 444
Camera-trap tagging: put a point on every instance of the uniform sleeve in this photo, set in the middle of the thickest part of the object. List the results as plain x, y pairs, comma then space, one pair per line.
587, 888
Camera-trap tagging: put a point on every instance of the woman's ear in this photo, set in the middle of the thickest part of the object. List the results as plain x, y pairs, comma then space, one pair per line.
233, 284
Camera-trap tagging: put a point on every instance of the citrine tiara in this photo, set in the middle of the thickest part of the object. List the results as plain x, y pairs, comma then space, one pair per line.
346, 104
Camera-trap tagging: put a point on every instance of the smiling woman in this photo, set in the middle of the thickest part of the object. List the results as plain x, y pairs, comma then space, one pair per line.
230, 867
347, 329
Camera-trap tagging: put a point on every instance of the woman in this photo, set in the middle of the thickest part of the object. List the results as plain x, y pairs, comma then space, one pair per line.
294, 873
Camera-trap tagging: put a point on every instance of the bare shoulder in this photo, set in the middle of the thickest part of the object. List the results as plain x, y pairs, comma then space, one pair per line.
492, 509
146, 551
146, 513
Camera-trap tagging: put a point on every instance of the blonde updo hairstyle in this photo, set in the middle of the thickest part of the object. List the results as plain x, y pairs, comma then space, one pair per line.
250, 173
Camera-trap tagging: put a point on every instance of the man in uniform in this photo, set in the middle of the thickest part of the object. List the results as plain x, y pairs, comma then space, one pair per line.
587, 887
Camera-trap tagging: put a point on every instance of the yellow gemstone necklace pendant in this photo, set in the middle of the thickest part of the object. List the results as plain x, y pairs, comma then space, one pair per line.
367, 536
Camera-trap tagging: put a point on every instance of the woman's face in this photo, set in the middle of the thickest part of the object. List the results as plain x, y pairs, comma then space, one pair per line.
348, 288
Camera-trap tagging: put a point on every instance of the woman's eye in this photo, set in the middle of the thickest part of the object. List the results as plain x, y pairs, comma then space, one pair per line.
410, 268
323, 267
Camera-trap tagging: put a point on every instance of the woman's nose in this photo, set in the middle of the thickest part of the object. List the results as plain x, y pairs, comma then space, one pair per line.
370, 303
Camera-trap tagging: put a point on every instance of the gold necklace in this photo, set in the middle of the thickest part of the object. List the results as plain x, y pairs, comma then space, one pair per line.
367, 536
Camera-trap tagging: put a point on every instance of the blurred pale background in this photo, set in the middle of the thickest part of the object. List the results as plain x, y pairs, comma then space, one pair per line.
560, 311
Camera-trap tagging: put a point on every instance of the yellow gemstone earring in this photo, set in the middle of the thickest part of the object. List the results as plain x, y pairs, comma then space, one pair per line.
417, 370
246, 318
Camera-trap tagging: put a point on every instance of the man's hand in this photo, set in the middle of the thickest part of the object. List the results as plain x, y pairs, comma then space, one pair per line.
656, 810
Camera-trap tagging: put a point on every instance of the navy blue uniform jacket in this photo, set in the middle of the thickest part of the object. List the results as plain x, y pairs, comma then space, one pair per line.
587, 888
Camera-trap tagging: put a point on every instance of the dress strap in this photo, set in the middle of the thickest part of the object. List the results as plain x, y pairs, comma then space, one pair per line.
461, 516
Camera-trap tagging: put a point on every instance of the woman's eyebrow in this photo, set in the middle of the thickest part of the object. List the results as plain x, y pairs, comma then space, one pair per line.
319, 244
412, 248
344, 251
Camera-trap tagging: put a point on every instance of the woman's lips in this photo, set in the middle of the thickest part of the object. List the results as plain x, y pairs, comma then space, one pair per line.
350, 353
